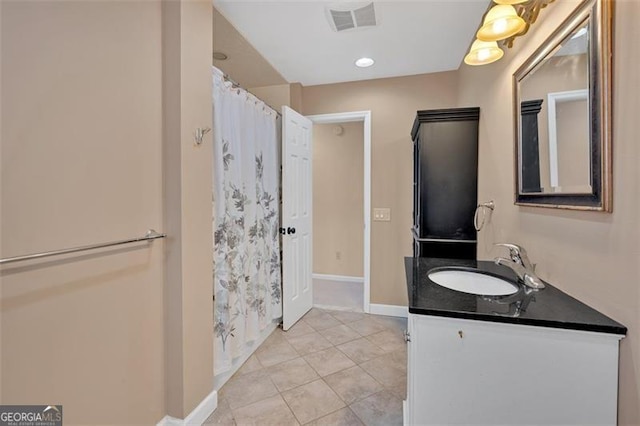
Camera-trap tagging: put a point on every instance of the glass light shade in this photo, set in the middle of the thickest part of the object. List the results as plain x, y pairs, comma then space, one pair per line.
501, 22
483, 52
510, 1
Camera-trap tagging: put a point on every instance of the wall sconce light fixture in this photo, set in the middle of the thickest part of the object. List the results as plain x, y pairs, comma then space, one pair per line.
483, 52
505, 21
501, 22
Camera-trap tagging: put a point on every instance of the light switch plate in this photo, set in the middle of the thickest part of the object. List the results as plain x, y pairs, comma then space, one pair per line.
382, 214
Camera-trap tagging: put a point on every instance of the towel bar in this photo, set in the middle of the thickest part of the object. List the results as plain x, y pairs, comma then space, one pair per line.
149, 236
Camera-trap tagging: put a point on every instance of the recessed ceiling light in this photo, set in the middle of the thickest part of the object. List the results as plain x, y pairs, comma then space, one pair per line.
219, 56
364, 62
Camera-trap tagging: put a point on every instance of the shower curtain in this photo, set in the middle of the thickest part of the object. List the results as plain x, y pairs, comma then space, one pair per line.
246, 262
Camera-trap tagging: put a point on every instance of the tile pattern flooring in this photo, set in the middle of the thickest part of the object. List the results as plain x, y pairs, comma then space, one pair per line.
331, 368
341, 294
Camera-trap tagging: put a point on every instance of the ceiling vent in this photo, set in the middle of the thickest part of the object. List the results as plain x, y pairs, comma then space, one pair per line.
344, 17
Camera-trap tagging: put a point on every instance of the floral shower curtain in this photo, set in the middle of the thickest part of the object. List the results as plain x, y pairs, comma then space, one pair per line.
246, 263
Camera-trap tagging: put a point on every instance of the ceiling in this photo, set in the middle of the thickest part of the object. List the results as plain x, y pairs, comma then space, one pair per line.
298, 42
244, 63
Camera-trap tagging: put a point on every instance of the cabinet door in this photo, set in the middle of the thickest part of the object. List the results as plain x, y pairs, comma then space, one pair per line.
448, 155
411, 366
476, 372
416, 194
445, 182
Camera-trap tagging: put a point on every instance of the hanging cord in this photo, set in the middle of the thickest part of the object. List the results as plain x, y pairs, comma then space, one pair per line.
490, 205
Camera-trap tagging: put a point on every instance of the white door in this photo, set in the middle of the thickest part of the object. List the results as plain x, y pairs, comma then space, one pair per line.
297, 287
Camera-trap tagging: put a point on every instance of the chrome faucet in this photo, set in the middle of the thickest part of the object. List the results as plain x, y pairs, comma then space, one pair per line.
521, 265
517, 303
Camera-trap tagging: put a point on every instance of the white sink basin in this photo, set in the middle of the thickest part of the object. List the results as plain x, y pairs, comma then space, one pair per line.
473, 282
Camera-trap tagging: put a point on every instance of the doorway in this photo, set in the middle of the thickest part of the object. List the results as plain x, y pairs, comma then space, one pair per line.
341, 220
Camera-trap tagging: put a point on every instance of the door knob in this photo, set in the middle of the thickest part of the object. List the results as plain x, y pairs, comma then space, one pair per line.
291, 230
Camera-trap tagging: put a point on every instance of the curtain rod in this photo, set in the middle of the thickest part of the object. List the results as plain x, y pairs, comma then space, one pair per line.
237, 85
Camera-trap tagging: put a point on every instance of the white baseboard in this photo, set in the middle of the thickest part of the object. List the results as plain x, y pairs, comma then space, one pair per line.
203, 410
170, 421
343, 278
210, 402
336, 308
389, 310
199, 414
405, 413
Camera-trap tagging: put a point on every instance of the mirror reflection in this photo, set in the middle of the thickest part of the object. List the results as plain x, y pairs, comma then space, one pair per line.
555, 139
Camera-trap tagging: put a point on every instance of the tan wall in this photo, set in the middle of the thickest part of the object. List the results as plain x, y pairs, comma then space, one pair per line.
393, 103
99, 102
81, 164
187, 171
1, 251
296, 96
274, 96
559, 74
592, 256
574, 153
280, 95
338, 197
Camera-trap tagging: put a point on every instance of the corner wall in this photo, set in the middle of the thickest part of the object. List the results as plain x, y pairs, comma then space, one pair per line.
592, 256
280, 95
274, 96
187, 174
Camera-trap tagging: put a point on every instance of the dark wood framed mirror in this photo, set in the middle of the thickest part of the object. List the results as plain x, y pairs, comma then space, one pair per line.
562, 115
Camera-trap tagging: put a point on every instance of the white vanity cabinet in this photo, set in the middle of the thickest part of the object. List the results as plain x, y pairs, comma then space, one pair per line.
463, 371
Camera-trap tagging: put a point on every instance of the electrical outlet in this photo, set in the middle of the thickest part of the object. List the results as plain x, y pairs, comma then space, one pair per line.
382, 214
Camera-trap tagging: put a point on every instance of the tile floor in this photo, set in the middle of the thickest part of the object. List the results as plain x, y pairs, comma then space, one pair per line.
339, 294
331, 368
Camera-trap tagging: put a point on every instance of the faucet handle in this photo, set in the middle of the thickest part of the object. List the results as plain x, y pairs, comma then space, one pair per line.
518, 254
514, 250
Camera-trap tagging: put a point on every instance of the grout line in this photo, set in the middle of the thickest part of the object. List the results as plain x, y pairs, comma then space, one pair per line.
328, 414
289, 407
266, 369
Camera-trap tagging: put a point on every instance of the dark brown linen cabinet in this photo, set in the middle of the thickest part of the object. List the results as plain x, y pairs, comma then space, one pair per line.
445, 182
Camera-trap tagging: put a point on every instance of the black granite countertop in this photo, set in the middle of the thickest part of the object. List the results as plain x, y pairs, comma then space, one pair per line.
548, 307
